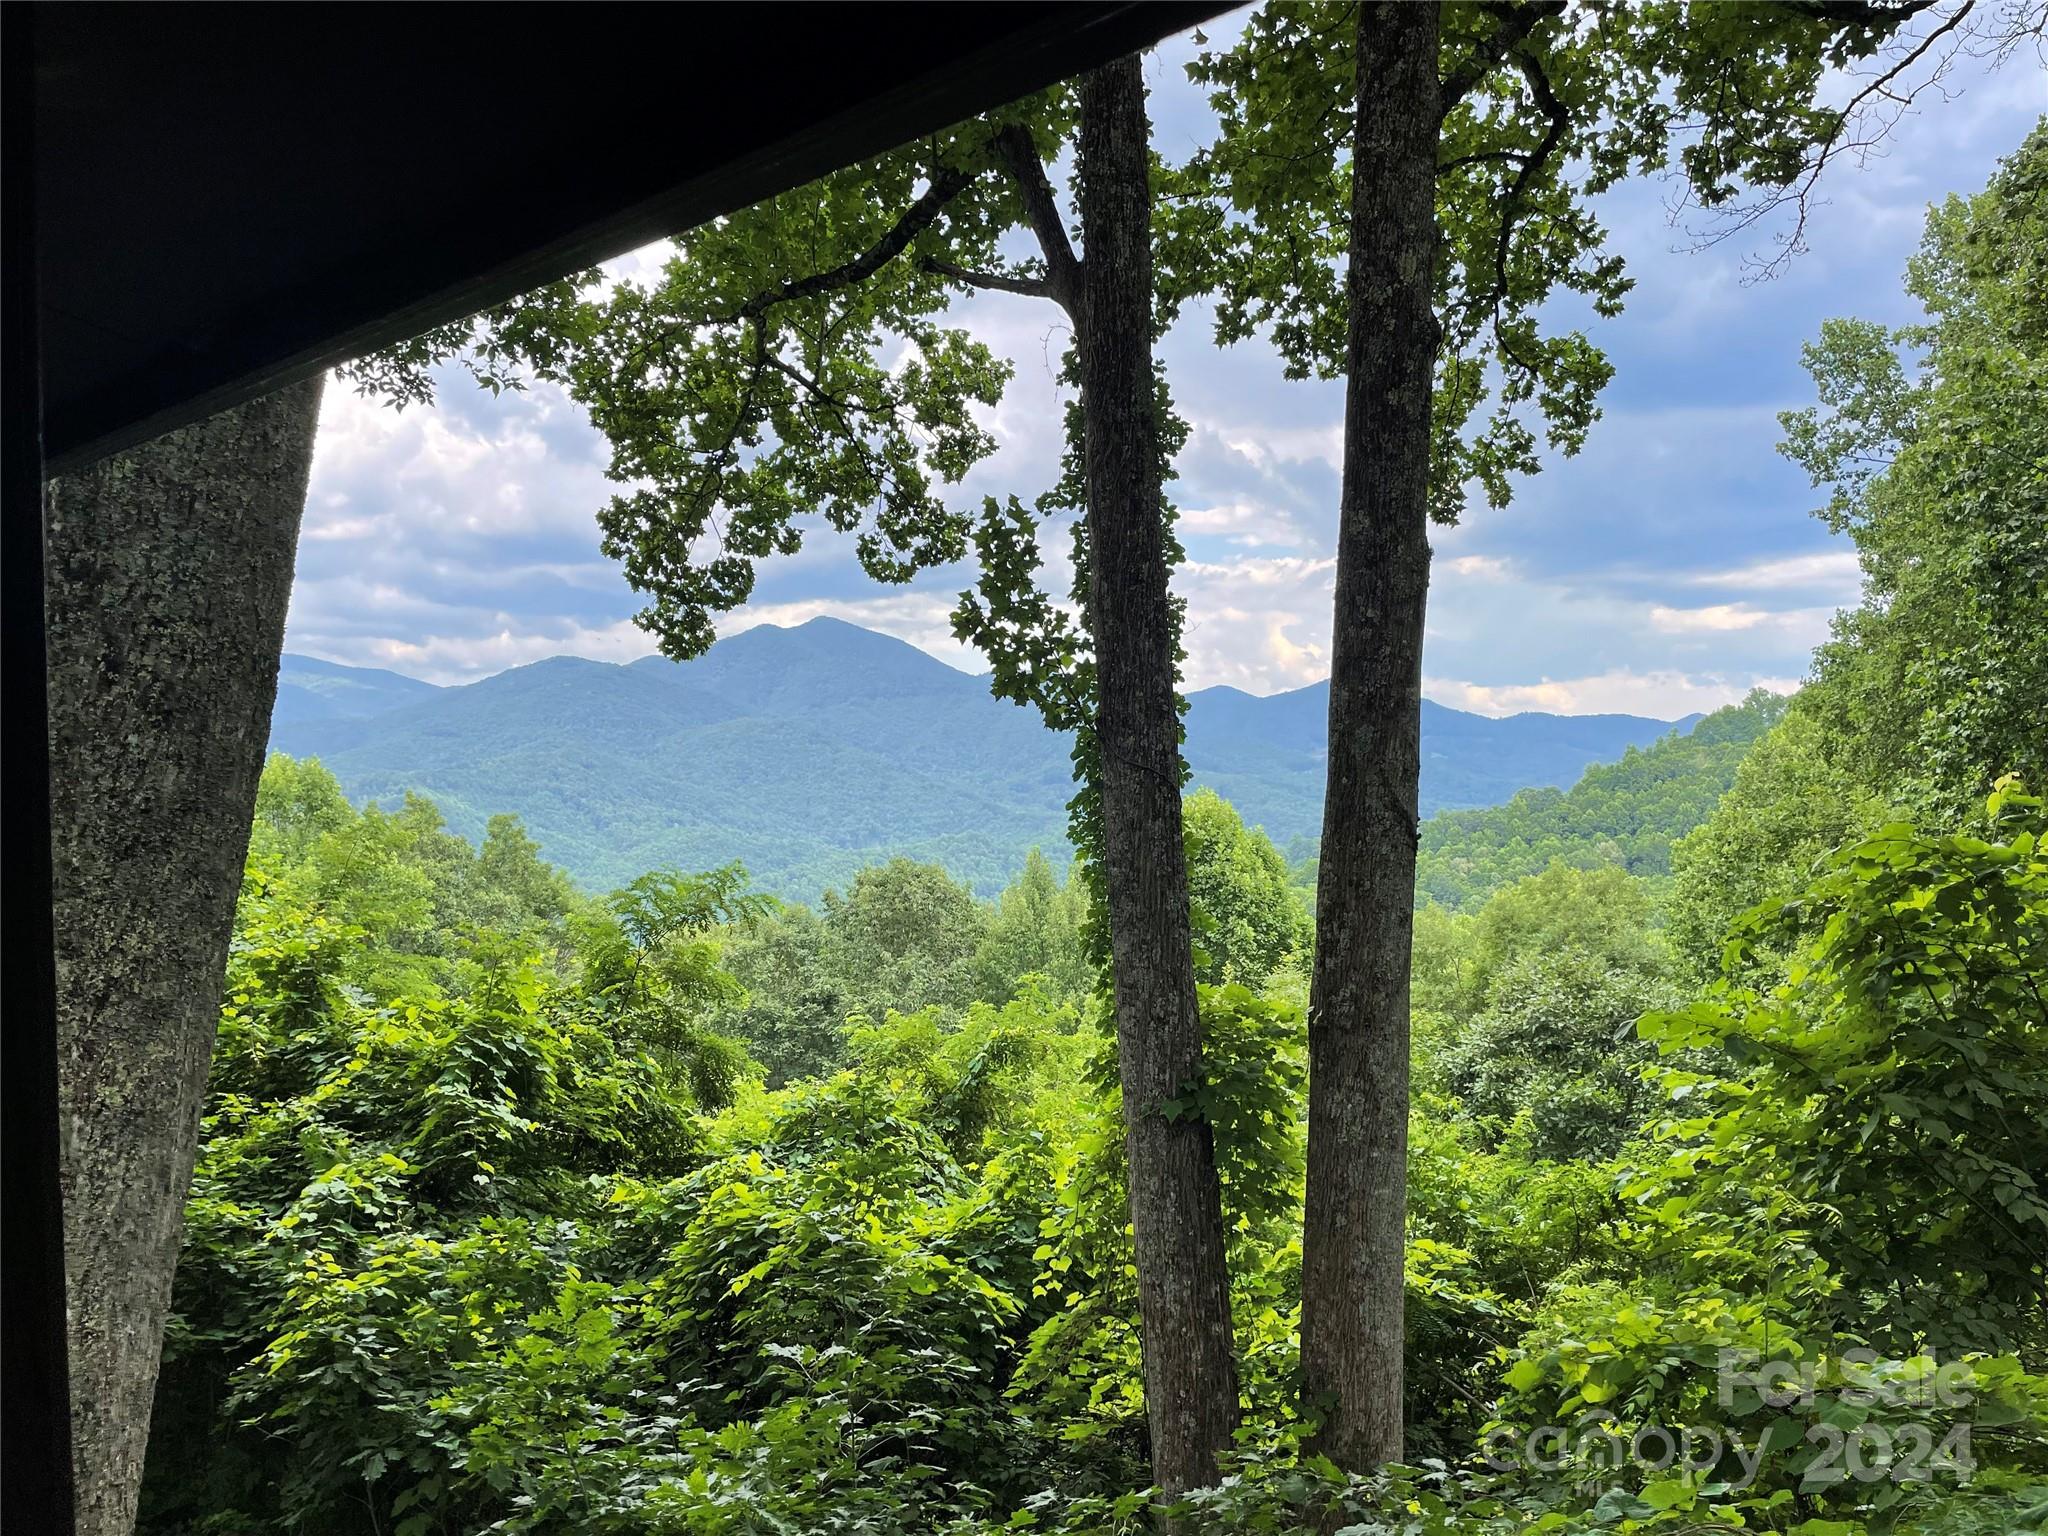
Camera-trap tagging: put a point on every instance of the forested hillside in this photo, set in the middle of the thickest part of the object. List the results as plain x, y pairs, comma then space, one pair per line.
309, 689
1625, 814
810, 752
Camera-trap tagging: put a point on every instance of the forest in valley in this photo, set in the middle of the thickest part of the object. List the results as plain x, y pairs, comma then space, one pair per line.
680, 1208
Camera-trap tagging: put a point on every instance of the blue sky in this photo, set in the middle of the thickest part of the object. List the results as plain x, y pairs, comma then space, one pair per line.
1671, 566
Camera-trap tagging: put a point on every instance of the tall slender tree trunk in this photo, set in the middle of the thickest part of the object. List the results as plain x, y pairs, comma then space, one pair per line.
1352, 1245
1176, 1201
168, 570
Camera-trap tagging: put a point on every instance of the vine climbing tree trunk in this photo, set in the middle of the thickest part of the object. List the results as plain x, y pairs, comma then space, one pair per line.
1176, 1204
168, 571
1354, 1232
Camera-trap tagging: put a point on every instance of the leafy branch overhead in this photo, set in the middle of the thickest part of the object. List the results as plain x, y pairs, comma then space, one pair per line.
791, 366
1545, 105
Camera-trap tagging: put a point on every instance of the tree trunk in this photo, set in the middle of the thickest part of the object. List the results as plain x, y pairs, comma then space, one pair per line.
1176, 1202
1352, 1243
168, 570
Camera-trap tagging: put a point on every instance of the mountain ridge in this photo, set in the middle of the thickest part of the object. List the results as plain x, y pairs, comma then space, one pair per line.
810, 751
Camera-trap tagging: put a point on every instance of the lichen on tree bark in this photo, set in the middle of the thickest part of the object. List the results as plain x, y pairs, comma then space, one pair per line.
168, 571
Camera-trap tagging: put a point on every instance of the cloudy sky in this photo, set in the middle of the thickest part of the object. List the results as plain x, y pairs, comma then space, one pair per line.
1670, 567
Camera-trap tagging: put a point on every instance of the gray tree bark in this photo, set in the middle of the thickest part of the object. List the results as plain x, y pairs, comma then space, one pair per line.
168, 572
1176, 1201
1356, 1215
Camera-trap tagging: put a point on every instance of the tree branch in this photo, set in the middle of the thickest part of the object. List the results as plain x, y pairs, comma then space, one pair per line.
1019, 154
1798, 191
1557, 120
1513, 23
1001, 282
705, 502
1473, 311
947, 183
1482, 157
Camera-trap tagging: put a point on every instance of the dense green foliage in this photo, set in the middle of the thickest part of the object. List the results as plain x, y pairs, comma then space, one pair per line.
1247, 920
1940, 475
497, 1227
1789, 805
902, 938
1902, 1066
477, 1204
1527, 1009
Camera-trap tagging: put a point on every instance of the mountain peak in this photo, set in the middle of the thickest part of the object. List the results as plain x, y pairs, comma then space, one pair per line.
560, 664
822, 663
824, 630
826, 624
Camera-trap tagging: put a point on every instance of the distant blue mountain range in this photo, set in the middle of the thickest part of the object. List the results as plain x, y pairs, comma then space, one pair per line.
807, 753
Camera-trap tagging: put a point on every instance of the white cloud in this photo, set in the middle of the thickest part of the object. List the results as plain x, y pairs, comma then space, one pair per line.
465, 658
319, 526
1259, 623
1250, 524
1809, 625
1833, 569
1270, 571
463, 467
1265, 446
1660, 694
1721, 616
1477, 567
